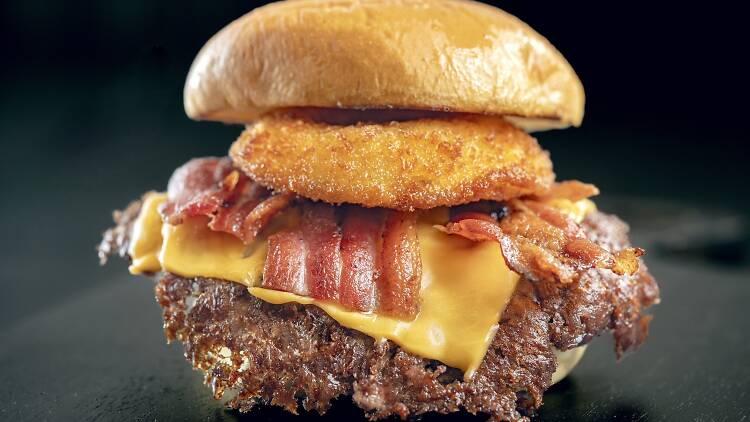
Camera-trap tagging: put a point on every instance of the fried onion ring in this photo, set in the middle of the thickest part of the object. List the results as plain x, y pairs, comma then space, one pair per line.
406, 165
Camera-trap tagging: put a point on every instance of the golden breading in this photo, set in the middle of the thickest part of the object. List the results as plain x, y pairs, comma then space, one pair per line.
414, 164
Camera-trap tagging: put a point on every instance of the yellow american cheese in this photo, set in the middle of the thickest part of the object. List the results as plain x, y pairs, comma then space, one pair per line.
191, 249
578, 210
465, 285
146, 237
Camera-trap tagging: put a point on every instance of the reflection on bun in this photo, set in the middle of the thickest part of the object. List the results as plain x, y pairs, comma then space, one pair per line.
434, 55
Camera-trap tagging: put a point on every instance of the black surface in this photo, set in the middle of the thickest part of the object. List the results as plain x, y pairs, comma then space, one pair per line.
91, 116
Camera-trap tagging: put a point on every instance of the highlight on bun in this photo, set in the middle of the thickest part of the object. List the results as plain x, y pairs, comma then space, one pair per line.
446, 55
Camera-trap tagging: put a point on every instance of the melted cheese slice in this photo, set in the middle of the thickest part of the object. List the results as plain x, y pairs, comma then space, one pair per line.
465, 285
146, 239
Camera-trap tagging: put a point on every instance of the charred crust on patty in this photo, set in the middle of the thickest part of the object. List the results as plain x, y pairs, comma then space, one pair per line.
294, 355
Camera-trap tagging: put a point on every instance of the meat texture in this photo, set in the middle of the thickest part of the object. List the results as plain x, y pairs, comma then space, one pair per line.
542, 243
293, 355
368, 259
365, 259
234, 203
116, 240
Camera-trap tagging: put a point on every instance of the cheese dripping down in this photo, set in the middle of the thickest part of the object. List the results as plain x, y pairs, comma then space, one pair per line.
465, 285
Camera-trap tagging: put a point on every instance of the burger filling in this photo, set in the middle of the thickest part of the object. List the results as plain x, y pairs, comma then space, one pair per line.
434, 282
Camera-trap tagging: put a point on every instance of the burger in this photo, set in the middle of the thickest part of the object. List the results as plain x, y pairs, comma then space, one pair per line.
384, 228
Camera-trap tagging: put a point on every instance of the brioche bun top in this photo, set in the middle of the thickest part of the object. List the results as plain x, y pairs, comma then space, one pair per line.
448, 55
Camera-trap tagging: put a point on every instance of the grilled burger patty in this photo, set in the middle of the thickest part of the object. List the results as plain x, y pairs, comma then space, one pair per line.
294, 354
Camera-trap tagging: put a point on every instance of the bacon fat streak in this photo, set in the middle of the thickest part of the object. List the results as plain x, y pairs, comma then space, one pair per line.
364, 259
367, 259
380, 377
542, 243
212, 187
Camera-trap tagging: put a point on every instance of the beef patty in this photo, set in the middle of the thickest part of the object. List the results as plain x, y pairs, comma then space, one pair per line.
291, 355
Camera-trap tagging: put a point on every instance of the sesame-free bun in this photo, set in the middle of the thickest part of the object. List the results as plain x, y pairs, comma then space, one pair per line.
447, 55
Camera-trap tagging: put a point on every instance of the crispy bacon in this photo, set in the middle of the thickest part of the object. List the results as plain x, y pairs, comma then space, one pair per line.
573, 190
553, 216
368, 259
257, 219
402, 265
234, 204
361, 232
285, 263
364, 259
194, 188
322, 237
542, 243
307, 260
369, 262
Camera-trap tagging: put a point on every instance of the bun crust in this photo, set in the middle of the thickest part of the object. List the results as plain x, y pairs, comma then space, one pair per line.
447, 55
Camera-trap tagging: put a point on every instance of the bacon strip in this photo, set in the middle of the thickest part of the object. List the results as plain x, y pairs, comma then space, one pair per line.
322, 240
369, 261
257, 219
233, 203
543, 244
402, 265
285, 268
194, 189
361, 231
554, 217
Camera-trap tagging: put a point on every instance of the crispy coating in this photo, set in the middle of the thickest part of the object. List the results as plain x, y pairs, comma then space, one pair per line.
407, 165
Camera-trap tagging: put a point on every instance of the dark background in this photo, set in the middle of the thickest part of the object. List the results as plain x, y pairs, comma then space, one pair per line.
91, 116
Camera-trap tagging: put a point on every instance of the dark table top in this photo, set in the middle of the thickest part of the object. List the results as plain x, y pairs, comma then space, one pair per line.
91, 116
100, 354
